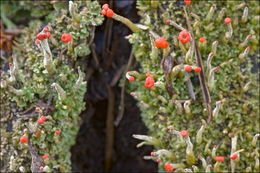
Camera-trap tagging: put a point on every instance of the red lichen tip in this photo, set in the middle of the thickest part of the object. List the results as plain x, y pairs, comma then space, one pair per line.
217, 68
40, 36
149, 82
48, 34
41, 168
233, 157
220, 158
197, 69
37, 42
188, 68
168, 167
110, 13
215, 146
227, 20
131, 94
45, 156
44, 36
216, 41
45, 29
168, 21
160, 42
184, 133
184, 36
40, 121
105, 7
248, 48
131, 78
152, 153
57, 132
158, 160
211, 54
202, 39
65, 38
23, 139
199, 157
147, 74
250, 35
103, 12
10, 64
37, 109
43, 117
187, 2
221, 101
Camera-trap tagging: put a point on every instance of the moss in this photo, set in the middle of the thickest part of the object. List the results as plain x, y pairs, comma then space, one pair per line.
35, 85
237, 115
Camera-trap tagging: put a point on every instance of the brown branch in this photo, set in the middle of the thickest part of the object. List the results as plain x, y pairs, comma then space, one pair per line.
122, 101
93, 47
60, 57
109, 129
204, 88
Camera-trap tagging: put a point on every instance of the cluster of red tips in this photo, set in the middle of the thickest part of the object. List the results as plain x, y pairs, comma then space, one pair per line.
168, 167
188, 68
227, 20
23, 139
10, 64
158, 160
107, 11
161, 43
168, 21
184, 133
220, 158
45, 156
184, 36
187, 2
42, 36
197, 69
202, 39
149, 81
41, 120
233, 157
57, 132
65, 38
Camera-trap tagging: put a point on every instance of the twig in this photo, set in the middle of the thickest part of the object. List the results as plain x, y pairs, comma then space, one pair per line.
122, 101
202, 79
49, 101
109, 129
37, 161
60, 57
117, 76
93, 47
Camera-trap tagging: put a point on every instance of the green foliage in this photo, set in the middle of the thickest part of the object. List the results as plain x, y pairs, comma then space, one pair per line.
34, 84
237, 115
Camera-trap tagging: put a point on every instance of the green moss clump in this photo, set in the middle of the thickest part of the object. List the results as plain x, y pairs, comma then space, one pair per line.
166, 114
28, 85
